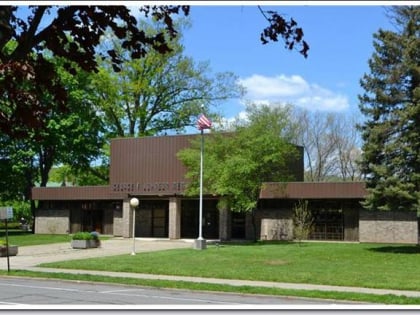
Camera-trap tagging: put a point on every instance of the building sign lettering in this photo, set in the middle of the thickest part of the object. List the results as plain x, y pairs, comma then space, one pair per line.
156, 187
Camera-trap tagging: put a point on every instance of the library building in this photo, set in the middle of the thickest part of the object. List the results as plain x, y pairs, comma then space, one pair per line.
148, 169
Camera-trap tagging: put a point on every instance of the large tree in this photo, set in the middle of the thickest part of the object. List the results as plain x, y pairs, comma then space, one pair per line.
237, 163
73, 137
69, 32
158, 93
73, 33
331, 145
391, 105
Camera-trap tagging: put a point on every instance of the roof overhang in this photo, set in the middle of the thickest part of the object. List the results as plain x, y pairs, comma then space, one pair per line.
73, 193
313, 190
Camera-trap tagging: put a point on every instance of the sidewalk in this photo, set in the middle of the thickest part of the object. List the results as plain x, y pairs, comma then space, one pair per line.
30, 256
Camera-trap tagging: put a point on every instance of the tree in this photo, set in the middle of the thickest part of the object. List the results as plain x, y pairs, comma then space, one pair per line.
288, 30
237, 163
72, 33
391, 105
303, 220
73, 138
158, 93
331, 145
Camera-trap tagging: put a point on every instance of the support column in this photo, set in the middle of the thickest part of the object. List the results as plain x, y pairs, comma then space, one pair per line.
127, 219
174, 218
225, 224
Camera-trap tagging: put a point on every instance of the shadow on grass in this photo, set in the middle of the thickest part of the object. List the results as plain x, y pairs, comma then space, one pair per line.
14, 233
397, 249
257, 243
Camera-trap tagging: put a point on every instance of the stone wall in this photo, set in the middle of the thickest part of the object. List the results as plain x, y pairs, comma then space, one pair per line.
274, 224
52, 221
388, 227
123, 220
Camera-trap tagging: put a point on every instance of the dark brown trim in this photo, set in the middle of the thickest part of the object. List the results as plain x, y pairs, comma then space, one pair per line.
74, 193
313, 190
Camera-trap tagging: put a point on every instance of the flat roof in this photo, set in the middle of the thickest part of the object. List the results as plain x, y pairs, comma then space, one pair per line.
269, 190
74, 193
313, 190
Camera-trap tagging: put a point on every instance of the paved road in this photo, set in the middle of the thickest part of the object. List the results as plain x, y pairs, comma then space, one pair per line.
24, 292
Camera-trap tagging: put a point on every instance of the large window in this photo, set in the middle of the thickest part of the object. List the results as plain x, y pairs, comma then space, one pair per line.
328, 221
190, 219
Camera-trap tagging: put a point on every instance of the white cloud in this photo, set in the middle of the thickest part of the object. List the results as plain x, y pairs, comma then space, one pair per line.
293, 90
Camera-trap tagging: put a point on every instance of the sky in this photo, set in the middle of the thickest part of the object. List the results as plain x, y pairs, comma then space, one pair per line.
340, 39
340, 35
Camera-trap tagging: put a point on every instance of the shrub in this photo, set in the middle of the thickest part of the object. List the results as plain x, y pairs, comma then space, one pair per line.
82, 236
10, 225
302, 220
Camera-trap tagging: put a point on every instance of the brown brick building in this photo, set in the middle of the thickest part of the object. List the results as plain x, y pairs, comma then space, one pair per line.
148, 169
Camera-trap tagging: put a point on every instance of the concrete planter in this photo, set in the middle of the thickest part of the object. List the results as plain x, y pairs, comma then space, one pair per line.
84, 244
13, 250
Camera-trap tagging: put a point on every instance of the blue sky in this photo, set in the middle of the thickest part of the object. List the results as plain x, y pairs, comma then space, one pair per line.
340, 39
340, 36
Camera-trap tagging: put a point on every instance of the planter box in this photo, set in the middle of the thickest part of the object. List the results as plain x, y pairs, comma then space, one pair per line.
13, 250
84, 243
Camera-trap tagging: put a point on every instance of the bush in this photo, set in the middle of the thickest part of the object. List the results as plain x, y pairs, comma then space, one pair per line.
302, 220
3, 243
83, 236
10, 225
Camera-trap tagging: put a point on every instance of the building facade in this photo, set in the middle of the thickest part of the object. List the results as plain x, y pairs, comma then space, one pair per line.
148, 169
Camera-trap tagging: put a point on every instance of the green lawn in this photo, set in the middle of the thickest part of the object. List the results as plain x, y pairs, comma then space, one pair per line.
364, 265
20, 238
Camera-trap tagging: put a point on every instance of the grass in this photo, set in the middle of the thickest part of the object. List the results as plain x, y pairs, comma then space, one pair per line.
22, 238
359, 265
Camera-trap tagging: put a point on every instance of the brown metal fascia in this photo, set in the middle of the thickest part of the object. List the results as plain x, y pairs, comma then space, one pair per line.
148, 165
72, 193
313, 190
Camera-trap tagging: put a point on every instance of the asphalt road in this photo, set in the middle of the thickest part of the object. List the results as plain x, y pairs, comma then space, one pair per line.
24, 292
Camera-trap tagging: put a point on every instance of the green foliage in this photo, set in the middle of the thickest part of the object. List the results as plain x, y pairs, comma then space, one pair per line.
85, 236
92, 176
237, 163
391, 104
10, 225
69, 32
302, 220
158, 93
21, 209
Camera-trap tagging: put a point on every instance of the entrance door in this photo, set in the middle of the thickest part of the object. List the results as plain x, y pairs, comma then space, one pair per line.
238, 225
152, 218
159, 225
190, 219
92, 220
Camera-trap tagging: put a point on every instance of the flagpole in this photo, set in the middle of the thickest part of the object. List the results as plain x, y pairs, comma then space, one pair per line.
200, 227
203, 123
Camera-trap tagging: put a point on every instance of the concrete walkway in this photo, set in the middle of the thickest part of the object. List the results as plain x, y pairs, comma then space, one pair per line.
30, 256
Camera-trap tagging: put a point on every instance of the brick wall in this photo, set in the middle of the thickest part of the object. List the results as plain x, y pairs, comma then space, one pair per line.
274, 224
52, 222
388, 227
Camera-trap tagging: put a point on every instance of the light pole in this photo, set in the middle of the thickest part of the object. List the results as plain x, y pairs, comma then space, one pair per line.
134, 202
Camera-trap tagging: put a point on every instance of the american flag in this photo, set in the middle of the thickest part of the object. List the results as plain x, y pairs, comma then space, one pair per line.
203, 122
